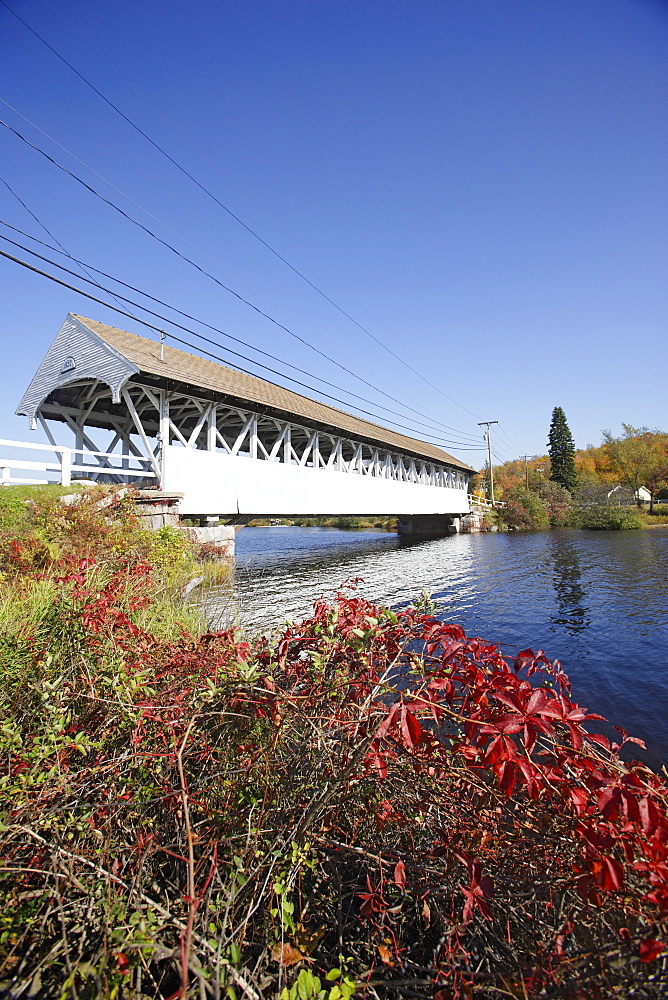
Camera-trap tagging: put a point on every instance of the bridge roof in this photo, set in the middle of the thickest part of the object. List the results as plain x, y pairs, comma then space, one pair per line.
193, 372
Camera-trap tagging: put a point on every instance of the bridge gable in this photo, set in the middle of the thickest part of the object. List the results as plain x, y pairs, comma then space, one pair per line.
77, 353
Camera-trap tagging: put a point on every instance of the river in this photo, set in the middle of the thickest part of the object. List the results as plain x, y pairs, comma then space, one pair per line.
595, 600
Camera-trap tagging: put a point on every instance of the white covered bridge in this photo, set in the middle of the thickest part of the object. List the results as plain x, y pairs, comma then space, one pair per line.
234, 445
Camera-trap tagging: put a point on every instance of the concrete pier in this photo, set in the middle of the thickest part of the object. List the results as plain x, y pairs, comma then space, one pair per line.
222, 536
157, 508
427, 525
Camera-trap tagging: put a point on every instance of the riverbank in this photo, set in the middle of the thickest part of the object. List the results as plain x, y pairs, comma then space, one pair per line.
188, 814
347, 522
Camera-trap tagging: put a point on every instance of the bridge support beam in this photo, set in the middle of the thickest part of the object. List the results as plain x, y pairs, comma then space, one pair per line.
427, 525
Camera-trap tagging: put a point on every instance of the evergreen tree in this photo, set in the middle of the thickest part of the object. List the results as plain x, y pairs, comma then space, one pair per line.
562, 451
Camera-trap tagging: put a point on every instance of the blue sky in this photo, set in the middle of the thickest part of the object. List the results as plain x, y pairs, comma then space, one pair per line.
479, 184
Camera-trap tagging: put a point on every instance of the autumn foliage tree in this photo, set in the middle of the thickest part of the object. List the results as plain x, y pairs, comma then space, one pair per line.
639, 457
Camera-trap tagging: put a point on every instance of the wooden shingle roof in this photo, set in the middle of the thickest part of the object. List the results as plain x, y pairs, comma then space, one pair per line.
194, 372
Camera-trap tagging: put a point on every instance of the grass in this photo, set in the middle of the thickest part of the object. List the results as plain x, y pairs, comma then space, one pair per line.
631, 512
659, 519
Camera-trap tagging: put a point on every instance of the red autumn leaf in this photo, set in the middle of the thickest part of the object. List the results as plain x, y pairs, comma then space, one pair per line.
579, 798
509, 699
576, 735
389, 721
372, 901
510, 724
609, 873
602, 740
400, 875
649, 816
123, 964
380, 763
608, 801
410, 727
506, 774
630, 806
475, 899
528, 769
650, 949
502, 748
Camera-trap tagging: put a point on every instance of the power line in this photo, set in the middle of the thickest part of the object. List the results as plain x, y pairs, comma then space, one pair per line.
513, 444
180, 340
155, 218
502, 455
124, 194
226, 288
229, 211
451, 443
217, 263
80, 264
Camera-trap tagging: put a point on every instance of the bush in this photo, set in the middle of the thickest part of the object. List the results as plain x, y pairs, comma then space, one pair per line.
606, 519
524, 509
369, 798
558, 502
347, 522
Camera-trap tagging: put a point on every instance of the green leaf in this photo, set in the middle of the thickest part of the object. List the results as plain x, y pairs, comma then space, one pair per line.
304, 985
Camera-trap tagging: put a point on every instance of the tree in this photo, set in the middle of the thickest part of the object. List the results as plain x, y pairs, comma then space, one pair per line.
639, 457
562, 451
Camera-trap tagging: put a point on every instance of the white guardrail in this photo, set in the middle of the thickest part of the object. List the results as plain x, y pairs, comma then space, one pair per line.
65, 464
476, 501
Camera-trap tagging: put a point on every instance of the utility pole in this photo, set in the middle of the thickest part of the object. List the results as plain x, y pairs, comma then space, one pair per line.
526, 471
487, 423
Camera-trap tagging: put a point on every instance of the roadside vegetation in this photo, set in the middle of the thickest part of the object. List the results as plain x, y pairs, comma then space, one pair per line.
366, 803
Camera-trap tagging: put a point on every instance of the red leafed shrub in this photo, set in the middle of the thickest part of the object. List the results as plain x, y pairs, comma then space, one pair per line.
370, 796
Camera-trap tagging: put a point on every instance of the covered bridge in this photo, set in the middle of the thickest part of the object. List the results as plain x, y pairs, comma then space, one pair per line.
234, 445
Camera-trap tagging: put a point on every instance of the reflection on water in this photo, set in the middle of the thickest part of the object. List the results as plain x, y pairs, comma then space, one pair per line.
567, 582
597, 601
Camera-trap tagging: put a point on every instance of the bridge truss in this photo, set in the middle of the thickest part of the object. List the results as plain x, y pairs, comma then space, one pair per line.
156, 418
